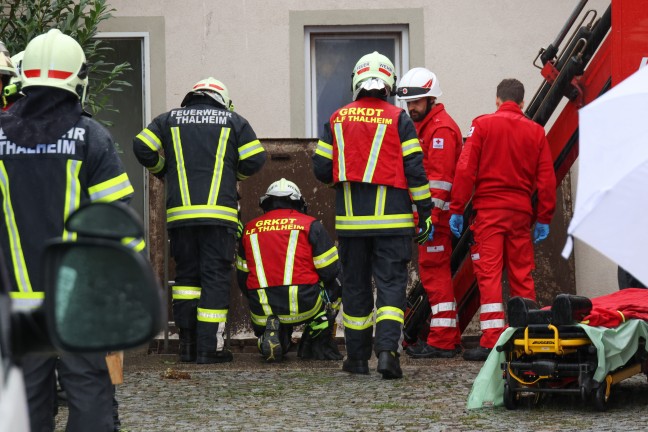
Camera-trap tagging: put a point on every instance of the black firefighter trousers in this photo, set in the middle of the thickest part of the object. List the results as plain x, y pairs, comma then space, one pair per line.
385, 258
87, 384
203, 257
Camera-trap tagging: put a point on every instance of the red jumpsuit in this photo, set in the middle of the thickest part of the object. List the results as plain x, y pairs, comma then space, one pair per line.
441, 142
505, 159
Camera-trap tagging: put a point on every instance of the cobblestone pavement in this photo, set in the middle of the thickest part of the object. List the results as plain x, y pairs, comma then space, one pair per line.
249, 395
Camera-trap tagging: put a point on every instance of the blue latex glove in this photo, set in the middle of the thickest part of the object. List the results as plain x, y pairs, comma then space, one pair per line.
425, 231
456, 224
541, 232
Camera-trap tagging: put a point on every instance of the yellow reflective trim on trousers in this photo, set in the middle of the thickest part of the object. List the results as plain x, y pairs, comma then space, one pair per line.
293, 296
217, 176
202, 211
376, 144
182, 173
420, 192
112, 189
263, 301
290, 257
17, 258
136, 244
348, 202
250, 149
357, 323
25, 302
374, 222
150, 139
184, 292
258, 261
411, 146
260, 320
390, 313
158, 166
72, 194
381, 194
339, 137
325, 259
241, 264
212, 315
324, 149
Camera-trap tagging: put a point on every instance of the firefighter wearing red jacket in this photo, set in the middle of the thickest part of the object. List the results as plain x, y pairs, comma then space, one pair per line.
441, 142
288, 268
506, 158
370, 152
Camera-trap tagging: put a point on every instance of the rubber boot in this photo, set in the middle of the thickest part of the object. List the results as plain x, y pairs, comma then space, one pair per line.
389, 365
187, 345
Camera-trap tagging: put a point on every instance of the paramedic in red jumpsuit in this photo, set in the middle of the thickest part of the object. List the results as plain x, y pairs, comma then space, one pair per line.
441, 141
505, 159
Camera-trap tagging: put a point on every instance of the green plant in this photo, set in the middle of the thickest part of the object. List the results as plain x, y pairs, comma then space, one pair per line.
22, 20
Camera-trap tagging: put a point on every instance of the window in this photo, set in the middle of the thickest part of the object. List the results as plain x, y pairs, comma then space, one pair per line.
332, 52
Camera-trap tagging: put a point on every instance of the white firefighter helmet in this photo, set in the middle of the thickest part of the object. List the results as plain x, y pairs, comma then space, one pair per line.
54, 59
16, 59
7, 68
282, 188
418, 83
213, 88
373, 72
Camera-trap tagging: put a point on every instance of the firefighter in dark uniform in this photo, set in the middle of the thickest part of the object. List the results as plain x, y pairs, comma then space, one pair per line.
371, 153
288, 268
52, 160
206, 148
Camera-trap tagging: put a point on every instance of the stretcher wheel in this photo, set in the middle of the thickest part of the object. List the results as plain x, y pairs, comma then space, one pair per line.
599, 397
511, 397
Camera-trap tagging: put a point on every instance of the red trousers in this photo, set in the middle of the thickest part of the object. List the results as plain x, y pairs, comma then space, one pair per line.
502, 239
434, 270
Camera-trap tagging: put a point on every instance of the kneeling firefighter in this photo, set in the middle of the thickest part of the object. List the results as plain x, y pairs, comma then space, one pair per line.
288, 268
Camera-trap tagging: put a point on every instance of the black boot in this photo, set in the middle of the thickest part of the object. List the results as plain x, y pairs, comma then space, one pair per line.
356, 366
187, 345
222, 356
389, 365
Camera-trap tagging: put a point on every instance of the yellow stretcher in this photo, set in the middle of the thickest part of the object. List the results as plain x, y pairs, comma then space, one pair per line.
545, 358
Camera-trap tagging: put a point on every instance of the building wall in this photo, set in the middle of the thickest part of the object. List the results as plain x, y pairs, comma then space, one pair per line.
256, 48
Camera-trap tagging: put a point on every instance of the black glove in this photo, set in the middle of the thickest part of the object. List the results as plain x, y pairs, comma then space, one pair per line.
425, 229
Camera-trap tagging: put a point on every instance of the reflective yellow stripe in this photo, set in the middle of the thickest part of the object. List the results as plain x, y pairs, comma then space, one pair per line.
390, 313
218, 167
182, 173
250, 149
260, 320
290, 257
339, 137
20, 268
112, 189
293, 298
202, 211
411, 146
324, 149
184, 292
158, 166
263, 301
150, 139
21, 301
240, 176
325, 259
374, 153
374, 222
420, 192
381, 193
357, 323
72, 194
136, 244
212, 315
258, 262
241, 264
348, 202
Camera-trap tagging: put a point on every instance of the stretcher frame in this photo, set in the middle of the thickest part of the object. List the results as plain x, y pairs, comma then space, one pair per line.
544, 358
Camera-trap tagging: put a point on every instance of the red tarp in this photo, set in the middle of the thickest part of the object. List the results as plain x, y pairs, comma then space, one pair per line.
613, 309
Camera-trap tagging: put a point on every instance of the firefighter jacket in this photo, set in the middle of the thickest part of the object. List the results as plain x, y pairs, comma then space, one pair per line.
506, 157
370, 152
206, 149
441, 141
42, 183
285, 248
